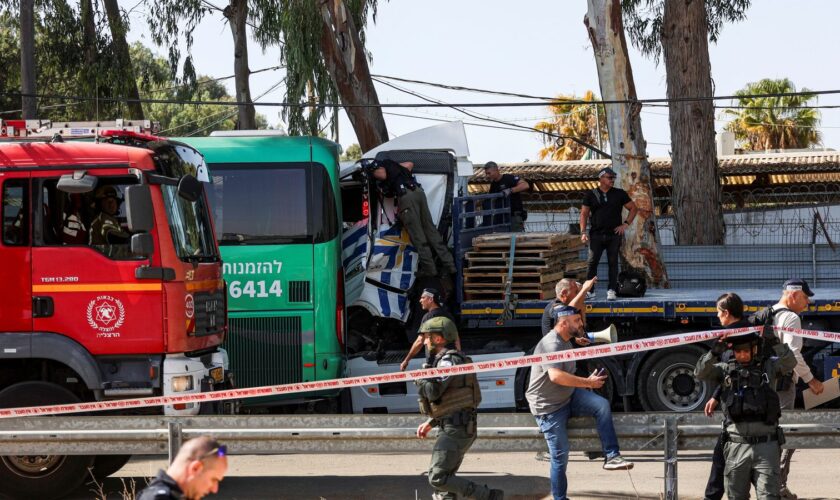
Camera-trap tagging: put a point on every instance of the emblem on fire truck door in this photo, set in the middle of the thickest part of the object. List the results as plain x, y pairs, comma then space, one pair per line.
105, 313
189, 306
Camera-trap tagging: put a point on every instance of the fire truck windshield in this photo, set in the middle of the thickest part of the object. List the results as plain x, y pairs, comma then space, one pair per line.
189, 222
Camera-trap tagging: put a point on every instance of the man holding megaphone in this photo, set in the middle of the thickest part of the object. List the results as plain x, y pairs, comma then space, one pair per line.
555, 394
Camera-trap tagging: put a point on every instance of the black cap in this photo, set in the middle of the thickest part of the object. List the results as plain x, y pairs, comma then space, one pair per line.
491, 164
563, 310
434, 294
606, 171
798, 284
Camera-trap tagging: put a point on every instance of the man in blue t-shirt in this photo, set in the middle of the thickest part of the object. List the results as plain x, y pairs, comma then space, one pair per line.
606, 228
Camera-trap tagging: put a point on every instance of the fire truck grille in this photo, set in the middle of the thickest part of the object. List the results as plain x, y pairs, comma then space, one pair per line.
209, 312
265, 351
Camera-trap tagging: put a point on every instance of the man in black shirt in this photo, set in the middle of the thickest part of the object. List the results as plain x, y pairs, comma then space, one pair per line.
197, 470
431, 302
414, 214
605, 204
509, 185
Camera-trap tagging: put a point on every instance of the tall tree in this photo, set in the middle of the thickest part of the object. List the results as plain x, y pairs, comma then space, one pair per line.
170, 22
127, 82
640, 249
322, 44
587, 122
27, 59
680, 31
775, 122
237, 15
344, 55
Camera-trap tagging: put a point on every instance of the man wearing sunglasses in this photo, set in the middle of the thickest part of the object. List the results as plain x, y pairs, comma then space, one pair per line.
606, 229
196, 472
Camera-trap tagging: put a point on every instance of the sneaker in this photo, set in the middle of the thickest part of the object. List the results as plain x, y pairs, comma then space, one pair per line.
496, 495
593, 455
611, 295
618, 463
786, 494
590, 295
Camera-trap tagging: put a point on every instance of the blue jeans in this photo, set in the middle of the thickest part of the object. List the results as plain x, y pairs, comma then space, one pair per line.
553, 426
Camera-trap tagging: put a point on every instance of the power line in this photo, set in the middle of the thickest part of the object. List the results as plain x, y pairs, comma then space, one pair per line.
575, 139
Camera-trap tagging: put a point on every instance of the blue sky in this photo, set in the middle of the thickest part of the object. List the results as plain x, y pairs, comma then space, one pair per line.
541, 48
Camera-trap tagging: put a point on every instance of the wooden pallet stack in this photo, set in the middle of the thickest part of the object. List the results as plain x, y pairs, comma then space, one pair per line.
540, 260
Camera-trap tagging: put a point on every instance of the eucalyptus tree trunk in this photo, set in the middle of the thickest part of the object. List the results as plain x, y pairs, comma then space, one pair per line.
128, 82
89, 42
695, 194
345, 59
237, 15
27, 60
640, 249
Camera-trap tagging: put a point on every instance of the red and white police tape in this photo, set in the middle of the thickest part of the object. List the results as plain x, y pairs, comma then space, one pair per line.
595, 351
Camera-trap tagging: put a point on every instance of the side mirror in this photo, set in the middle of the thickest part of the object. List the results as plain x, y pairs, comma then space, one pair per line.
77, 183
138, 208
142, 244
189, 188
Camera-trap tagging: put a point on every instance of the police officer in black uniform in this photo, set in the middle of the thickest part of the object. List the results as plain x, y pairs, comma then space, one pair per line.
397, 180
753, 438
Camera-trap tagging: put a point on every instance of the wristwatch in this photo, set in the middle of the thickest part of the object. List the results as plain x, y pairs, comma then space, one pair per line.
627, 222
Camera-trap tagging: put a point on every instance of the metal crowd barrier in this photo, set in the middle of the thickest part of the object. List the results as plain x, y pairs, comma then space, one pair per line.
287, 434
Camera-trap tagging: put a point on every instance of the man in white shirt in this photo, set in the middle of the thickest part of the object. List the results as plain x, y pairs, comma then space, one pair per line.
796, 296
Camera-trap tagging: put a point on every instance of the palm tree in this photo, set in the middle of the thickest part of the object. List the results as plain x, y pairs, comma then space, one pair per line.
587, 122
776, 122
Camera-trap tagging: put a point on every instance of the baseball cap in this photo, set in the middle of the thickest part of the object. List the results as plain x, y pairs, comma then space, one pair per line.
606, 171
563, 310
441, 325
433, 293
794, 284
491, 164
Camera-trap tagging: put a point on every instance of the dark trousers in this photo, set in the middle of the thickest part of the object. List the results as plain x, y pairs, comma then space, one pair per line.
597, 244
714, 487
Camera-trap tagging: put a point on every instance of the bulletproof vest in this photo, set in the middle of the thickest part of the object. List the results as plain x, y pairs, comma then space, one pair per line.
463, 393
400, 180
747, 395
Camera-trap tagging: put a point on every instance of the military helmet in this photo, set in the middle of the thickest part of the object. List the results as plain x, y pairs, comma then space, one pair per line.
442, 325
103, 192
746, 340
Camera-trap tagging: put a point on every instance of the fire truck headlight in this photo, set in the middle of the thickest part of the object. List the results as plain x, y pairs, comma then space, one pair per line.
182, 383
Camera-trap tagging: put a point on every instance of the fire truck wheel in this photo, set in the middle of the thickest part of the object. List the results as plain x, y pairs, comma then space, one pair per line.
40, 476
667, 381
105, 465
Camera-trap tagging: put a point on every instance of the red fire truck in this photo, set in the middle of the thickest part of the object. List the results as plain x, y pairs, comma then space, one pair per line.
112, 281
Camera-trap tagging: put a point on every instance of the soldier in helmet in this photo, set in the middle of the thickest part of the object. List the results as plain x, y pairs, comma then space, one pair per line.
753, 438
450, 403
105, 228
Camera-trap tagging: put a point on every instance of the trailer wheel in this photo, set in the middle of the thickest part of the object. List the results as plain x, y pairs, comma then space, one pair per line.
667, 382
40, 476
105, 465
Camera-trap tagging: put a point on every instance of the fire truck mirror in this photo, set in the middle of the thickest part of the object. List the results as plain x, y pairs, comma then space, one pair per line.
189, 188
138, 207
142, 244
77, 183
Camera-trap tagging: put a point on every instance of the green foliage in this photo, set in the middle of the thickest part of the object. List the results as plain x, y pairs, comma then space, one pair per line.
296, 27
776, 122
353, 153
643, 21
572, 120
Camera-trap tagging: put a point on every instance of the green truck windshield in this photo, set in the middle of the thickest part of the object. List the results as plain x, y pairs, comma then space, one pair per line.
272, 203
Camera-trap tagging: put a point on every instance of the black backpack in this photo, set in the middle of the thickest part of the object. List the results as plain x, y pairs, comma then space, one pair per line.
631, 284
765, 319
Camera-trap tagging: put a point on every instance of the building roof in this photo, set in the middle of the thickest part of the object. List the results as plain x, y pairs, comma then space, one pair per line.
744, 169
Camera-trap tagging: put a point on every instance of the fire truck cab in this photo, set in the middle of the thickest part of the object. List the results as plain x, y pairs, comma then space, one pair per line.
112, 283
